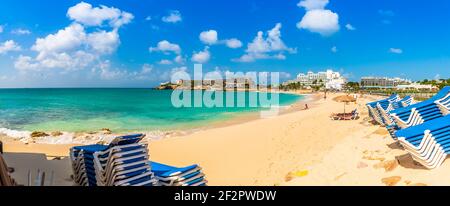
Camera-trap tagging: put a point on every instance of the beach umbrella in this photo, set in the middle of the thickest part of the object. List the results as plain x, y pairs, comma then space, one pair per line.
345, 99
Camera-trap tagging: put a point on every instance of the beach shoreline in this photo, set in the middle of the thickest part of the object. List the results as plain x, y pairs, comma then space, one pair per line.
105, 134
299, 147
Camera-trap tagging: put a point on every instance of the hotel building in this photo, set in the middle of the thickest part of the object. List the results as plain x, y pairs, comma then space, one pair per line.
383, 82
329, 79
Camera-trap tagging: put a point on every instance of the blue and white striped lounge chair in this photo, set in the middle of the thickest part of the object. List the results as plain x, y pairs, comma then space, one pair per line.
82, 158
407, 101
444, 104
428, 143
386, 108
174, 176
384, 112
419, 113
374, 112
124, 165
122, 162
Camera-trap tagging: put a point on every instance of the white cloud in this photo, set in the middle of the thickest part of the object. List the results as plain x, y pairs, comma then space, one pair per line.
21, 32
67, 61
147, 69
166, 47
144, 74
8, 46
173, 17
209, 37
350, 27
73, 48
334, 49
148, 18
106, 73
202, 56
66, 39
233, 43
395, 50
175, 74
165, 62
104, 42
317, 19
87, 15
324, 22
313, 4
269, 47
70, 49
179, 59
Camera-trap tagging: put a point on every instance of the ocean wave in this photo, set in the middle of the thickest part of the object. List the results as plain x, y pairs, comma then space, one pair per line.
78, 138
16, 134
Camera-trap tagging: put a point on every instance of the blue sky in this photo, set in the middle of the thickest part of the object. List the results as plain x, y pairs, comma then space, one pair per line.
84, 44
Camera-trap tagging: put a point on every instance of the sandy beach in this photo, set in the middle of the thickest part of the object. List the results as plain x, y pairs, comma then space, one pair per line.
299, 147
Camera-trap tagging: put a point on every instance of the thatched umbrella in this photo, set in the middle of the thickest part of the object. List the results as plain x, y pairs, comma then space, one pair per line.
344, 98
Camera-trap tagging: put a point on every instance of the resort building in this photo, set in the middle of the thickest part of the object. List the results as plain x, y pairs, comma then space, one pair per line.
235, 83
383, 82
329, 79
416, 86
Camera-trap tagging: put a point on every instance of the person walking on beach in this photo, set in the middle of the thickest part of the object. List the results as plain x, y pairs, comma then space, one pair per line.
306, 107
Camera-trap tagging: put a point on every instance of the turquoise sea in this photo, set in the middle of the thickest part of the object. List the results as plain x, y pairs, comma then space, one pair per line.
121, 110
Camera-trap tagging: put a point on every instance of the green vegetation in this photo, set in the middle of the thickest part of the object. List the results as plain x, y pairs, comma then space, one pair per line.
352, 86
292, 86
441, 83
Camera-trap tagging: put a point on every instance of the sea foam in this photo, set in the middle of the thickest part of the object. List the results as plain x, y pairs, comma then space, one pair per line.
73, 138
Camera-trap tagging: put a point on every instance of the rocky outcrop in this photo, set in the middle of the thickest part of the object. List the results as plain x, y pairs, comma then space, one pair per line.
167, 87
38, 134
106, 131
56, 134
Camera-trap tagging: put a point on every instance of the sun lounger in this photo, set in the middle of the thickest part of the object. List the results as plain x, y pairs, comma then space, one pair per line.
120, 167
5, 178
174, 176
375, 114
345, 116
428, 143
385, 109
444, 104
82, 157
121, 163
433, 108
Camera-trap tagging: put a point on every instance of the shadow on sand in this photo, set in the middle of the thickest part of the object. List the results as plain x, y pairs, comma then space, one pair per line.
407, 161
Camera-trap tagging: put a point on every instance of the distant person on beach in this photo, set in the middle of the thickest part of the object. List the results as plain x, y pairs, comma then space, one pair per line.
306, 107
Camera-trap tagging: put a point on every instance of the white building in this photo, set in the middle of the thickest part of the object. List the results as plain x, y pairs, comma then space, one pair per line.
383, 82
416, 86
329, 78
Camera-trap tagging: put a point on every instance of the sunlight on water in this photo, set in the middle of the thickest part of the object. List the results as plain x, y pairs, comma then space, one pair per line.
117, 109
